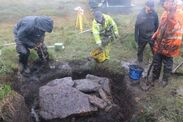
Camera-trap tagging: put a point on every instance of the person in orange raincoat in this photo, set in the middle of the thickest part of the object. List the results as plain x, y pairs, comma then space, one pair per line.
167, 41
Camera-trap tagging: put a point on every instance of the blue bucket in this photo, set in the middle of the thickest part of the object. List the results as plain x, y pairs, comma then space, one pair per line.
135, 72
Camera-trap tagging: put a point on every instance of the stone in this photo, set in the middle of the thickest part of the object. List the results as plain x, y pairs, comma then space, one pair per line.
86, 85
65, 68
125, 65
103, 95
104, 82
62, 81
97, 102
93, 77
62, 101
111, 107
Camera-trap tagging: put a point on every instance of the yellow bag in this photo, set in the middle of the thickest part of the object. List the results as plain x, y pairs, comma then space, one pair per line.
98, 54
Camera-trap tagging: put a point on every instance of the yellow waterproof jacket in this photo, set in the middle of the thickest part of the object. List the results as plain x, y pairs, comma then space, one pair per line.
97, 28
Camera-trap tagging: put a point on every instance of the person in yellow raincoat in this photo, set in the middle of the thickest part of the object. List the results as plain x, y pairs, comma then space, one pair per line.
104, 30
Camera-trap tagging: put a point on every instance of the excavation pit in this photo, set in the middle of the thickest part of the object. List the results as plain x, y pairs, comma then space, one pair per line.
42, 74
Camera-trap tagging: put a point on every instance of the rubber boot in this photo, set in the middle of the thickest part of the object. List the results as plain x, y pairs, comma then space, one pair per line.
23, 68
23, 63
165, 79
20, 68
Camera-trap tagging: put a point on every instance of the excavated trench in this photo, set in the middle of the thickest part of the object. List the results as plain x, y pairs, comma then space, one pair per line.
42, 74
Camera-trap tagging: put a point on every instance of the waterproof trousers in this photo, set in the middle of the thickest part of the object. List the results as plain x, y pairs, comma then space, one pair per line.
141, 47
107, 50
158, 60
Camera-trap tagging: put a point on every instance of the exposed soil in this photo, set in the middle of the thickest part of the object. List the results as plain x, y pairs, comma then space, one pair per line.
42, 74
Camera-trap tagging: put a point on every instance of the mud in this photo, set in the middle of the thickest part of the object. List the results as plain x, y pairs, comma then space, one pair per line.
41, 74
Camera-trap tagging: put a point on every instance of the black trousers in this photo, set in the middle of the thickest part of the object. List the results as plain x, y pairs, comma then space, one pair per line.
24, 53
158, 60
141, 47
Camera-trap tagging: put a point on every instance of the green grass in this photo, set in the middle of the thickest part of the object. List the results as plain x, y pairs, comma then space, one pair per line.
4, 91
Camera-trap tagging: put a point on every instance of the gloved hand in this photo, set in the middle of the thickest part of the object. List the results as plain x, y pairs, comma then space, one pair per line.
116, 35
105, 42
39, 45
99, 44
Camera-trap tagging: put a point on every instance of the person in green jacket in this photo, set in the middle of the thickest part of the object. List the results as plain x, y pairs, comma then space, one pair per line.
104, 30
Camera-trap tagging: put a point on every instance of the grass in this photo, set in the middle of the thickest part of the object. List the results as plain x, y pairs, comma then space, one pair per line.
4, 91
158, 103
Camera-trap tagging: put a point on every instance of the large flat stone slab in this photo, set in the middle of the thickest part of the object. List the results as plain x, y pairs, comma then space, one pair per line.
61, 101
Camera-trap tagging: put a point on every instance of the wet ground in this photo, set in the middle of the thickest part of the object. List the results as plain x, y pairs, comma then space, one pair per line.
41, 74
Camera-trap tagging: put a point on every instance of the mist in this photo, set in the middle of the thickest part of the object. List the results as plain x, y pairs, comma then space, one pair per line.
14, 9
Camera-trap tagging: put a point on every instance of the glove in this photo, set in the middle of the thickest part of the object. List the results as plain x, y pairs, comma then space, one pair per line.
105, 42
39, 45
99, 43
116, 35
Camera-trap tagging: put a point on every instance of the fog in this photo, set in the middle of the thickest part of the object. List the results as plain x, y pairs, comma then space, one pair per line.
14, 9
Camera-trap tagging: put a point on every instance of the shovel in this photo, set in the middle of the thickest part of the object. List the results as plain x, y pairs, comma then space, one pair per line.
174, 70
145, 85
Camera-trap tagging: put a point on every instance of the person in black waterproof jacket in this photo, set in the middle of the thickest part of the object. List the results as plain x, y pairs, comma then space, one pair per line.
146, 24
29, 33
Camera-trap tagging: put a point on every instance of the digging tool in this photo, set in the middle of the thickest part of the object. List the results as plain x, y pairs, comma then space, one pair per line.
43, 55
88, 30
174, 70
149, 70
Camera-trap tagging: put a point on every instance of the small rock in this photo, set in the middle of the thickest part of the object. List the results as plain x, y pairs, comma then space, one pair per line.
86, 85
65, 67
137, 99
104, 82
125, 65
111, 107
97, 102
103, 95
